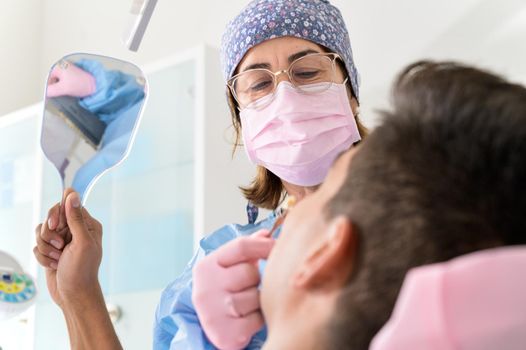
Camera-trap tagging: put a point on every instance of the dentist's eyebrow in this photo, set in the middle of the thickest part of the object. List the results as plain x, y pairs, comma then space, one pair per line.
257, 66
300, 54
291, 59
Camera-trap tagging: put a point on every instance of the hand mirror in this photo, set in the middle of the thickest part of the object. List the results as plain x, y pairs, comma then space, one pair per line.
92, 110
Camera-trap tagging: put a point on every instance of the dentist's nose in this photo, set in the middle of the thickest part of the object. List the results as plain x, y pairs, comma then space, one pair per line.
281, 77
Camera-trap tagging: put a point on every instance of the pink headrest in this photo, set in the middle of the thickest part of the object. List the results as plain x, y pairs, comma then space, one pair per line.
474, 302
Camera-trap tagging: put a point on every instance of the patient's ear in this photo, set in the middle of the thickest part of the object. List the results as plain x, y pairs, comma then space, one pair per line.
331, 262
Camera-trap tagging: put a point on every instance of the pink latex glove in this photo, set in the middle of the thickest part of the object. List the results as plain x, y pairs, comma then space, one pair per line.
68, 79
225, 293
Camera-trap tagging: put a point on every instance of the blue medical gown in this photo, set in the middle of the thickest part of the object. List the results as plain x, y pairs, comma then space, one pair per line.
117, 102
114, 144
176, 324
116, 91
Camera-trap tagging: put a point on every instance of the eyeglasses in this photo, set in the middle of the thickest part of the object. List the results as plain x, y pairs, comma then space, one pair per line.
306, 74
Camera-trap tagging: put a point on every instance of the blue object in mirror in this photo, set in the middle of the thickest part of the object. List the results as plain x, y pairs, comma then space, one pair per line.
92, 111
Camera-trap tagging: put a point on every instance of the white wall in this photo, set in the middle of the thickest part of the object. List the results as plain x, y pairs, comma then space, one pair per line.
386, 35
20, 48
96, 26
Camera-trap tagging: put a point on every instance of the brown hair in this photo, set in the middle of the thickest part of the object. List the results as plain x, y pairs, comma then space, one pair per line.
266, 189
441, 177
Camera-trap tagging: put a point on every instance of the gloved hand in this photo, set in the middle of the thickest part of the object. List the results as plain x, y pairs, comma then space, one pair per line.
68, 79
225, 293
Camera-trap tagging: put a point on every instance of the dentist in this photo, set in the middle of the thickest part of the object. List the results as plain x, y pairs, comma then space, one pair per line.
292, 88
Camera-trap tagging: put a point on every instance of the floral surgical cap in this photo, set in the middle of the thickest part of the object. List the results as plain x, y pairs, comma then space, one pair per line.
314, 20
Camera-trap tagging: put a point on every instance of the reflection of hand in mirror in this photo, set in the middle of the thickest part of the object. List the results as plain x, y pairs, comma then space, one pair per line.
66, 79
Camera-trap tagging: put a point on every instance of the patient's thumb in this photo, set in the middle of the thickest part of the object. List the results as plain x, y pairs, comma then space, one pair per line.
74, 216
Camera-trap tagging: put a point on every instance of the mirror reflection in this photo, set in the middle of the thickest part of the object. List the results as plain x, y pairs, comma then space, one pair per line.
91, 114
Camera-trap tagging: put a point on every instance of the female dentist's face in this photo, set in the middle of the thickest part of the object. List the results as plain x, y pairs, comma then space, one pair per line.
277, 55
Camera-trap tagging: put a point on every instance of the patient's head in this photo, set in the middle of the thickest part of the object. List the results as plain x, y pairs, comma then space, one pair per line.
441, 177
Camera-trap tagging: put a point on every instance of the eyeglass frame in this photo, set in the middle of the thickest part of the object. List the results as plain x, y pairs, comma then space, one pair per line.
230, 81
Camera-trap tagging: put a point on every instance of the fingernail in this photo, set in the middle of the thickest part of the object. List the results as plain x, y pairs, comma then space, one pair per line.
75, 200
56, 244
53, 265
54, 255
50, 223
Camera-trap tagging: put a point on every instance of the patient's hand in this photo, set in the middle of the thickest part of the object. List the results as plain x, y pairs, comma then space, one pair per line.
72, 277
71, 263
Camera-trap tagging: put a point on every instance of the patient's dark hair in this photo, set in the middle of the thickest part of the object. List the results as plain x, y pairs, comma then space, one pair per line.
444, 175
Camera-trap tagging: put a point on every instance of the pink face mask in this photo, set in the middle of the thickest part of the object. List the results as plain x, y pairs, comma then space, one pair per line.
298, 136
